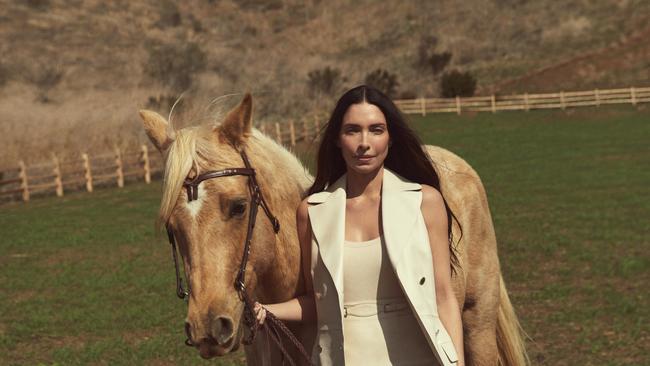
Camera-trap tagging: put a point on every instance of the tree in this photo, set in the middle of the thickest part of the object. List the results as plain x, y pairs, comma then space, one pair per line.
325, 81
384, 81
456, 83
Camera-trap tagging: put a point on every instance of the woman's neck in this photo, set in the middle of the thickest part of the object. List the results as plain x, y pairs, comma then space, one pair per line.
367, 185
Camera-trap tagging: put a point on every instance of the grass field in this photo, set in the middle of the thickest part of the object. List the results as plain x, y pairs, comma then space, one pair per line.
86, 280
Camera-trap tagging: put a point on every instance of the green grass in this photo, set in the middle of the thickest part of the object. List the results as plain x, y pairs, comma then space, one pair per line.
569, 196
86, 280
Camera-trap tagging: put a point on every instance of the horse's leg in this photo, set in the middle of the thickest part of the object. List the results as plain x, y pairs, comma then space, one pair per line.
479, 318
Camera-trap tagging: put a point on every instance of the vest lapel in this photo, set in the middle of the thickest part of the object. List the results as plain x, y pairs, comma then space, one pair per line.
328, 227
399, 209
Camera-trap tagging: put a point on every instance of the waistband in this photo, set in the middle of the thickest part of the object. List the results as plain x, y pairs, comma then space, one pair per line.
372, 308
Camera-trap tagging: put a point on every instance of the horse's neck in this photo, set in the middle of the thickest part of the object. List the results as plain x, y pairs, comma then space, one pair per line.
285, 182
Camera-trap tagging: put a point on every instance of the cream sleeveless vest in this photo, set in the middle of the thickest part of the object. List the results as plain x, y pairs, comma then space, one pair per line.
407, 244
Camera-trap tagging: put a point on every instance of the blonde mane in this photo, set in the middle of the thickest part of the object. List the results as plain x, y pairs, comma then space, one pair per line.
194, 147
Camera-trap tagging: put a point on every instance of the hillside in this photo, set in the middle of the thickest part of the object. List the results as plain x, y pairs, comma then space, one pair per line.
74, 72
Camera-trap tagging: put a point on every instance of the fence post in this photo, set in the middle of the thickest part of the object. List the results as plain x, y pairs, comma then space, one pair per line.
278, 133
633, 95
458, 105
597, 95
118, 171
24, 183
562, 102
145, 165
494, 104
292, 133
526, 104
87, 172
423, 106
57, 176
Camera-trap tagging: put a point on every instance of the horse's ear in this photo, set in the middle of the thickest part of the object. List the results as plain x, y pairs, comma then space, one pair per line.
236, 127
157, 128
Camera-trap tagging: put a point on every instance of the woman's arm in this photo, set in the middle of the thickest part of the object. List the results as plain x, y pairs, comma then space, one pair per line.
301, 308
435, 217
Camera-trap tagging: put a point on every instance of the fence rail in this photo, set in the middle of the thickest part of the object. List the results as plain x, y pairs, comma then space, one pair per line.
87, 171
525, 102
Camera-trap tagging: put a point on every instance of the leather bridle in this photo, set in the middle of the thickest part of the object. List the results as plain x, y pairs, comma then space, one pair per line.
273, 326
256, 199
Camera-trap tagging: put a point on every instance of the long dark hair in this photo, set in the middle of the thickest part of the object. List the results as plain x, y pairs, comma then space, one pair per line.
406, 155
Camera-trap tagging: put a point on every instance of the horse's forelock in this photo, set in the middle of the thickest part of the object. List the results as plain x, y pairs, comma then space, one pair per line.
192, 148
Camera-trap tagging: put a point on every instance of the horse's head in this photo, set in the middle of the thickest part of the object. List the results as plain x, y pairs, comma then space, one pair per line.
211, 230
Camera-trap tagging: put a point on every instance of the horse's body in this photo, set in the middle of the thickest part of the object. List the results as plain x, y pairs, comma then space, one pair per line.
211, 230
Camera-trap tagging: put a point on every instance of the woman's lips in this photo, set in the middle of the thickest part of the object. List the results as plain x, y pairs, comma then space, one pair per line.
364, 158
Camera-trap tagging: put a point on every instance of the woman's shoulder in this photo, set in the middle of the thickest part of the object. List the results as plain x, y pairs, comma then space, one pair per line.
430, 194
432, 200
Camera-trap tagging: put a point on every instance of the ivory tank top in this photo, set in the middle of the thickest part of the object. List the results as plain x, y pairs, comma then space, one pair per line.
379, 327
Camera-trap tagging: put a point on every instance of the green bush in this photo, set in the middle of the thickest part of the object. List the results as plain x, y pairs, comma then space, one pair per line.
438, 61
457, 83
170, 16
384, 81
429, 59
174, 65
38, 4
325, 81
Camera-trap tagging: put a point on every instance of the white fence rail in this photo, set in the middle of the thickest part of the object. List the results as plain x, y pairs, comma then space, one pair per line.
494, 103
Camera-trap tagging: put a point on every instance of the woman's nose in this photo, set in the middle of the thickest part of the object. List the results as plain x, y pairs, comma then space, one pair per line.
364, 140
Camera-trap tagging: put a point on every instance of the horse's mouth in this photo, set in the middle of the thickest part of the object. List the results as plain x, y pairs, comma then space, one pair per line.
209, 347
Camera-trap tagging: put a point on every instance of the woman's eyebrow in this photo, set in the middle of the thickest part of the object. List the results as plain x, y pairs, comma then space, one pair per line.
352, 124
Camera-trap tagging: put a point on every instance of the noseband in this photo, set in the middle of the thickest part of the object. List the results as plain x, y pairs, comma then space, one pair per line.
257, 199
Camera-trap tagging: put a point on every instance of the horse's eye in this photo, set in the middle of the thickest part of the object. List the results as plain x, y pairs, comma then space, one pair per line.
237, 208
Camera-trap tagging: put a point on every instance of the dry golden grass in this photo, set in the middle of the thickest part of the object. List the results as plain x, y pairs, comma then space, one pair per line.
88, 59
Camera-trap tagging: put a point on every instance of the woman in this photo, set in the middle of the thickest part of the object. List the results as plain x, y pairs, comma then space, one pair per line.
372, 230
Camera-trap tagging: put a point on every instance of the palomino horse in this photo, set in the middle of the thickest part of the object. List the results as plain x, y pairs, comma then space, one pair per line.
210, 229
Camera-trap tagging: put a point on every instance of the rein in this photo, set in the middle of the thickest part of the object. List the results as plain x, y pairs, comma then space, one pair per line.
256, 199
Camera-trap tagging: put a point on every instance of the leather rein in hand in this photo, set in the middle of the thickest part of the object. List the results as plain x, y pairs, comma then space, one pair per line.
256, 199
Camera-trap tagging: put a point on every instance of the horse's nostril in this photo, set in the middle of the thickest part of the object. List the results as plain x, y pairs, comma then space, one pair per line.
222, 329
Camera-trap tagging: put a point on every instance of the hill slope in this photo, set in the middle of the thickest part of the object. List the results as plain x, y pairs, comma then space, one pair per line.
78, 70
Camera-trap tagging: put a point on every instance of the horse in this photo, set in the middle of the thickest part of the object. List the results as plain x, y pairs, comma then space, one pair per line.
209, 223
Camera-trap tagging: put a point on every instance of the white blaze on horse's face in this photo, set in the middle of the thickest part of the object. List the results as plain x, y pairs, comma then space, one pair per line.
194, 206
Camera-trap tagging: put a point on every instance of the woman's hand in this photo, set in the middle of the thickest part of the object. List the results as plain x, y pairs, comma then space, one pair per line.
260, 312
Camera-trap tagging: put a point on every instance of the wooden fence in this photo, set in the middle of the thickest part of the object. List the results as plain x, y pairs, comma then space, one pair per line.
58, 176
85, 172
525, 102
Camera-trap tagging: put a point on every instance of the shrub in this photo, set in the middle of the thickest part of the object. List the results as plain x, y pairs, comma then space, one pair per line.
325, 81
428, 59
456, 83
438, 61
170, 16
45, 77
38, 4
384, 81
174, 65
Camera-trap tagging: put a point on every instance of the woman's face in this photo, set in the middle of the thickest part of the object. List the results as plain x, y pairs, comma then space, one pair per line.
363, 137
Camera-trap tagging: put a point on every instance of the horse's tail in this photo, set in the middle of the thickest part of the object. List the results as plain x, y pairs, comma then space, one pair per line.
510, 334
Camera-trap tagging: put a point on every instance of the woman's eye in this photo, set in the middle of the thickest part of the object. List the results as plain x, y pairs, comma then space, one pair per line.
237, 208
